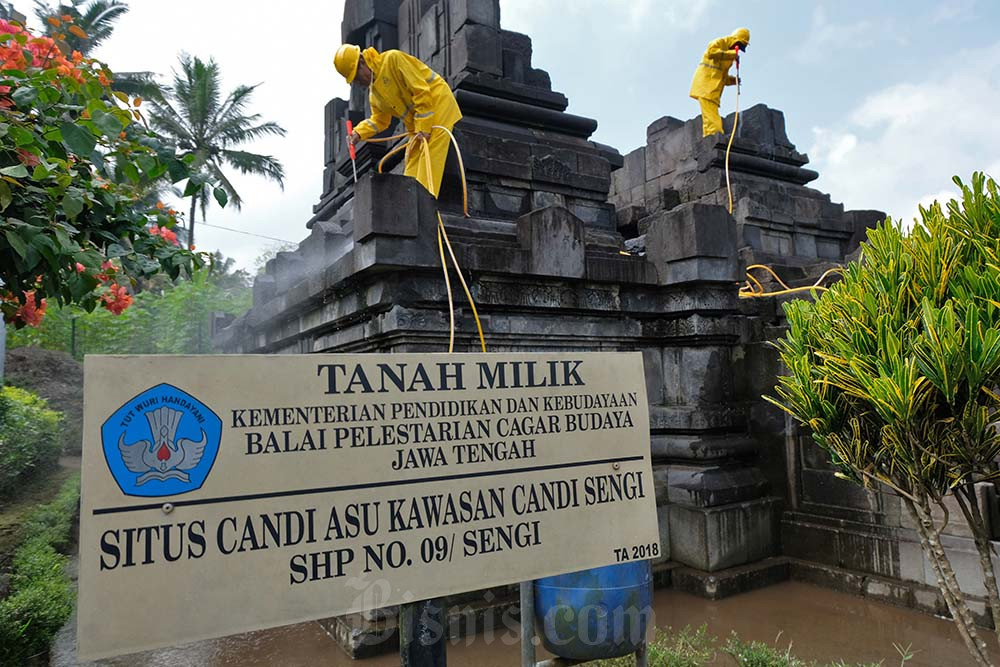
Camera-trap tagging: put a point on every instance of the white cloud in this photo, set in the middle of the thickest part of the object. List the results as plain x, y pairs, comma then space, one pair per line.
901, 146
530, 16
955, 10
832, 147
825, 34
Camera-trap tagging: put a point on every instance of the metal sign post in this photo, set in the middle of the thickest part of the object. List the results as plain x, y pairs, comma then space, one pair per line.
422, 634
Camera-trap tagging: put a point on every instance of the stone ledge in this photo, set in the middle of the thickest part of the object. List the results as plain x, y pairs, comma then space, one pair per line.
892, 591
731, 581
371, 634
726, 536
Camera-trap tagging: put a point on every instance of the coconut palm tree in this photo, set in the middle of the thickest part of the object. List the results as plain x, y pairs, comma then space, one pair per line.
195, 117
93, 19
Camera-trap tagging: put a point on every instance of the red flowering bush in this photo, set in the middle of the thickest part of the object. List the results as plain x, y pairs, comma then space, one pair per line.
75, 161
165, 233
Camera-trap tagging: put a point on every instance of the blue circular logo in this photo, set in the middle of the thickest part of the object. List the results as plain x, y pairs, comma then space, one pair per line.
162, 442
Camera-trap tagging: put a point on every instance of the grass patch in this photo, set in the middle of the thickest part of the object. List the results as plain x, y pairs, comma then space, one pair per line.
41, 594
696, 648
670, 648
16, 510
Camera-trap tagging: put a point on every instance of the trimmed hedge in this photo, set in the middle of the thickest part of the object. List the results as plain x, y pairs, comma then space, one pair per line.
30, 436
41, 598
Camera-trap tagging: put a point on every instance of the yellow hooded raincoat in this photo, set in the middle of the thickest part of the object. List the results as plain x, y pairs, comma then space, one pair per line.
712, 75
404, 87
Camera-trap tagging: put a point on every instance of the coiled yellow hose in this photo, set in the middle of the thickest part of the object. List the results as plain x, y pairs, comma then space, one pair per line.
442, 232
754, 290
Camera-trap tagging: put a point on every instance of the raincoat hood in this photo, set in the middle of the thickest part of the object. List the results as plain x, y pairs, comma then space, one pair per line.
739, 35
373, 59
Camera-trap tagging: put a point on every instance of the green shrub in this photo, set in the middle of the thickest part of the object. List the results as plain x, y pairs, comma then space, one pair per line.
34, 613
895, 372
41, 592
30, 436
54, 523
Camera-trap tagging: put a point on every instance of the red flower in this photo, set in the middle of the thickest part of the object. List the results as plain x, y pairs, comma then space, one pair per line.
164, 233
117, 299
30, 312
80, 268
27, 159
7, 26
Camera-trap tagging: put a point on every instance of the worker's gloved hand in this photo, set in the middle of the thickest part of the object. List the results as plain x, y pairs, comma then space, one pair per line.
354, 138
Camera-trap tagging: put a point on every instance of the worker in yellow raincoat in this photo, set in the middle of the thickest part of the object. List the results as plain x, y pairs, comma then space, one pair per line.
712, 75
402, 86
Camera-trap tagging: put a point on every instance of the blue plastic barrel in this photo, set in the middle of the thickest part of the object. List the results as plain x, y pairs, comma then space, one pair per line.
595, 614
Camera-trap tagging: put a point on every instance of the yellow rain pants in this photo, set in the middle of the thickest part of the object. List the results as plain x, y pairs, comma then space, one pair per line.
711, 121
404, 87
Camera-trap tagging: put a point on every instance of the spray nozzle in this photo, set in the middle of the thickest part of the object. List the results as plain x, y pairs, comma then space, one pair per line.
352, 150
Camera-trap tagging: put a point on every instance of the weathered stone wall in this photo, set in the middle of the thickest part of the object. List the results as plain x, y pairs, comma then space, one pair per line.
571, 247
779, 219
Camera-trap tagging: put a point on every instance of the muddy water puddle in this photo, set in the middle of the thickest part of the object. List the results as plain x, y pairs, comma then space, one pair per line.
819, 624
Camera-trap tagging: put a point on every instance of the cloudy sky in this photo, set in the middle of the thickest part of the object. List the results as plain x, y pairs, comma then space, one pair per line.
889, 99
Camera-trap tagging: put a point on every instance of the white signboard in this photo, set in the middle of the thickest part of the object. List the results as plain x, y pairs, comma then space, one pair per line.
223, 494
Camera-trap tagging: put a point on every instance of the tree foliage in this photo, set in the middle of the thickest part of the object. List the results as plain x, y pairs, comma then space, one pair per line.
166, 318
80, 25
196, 118
895, 370
75, 161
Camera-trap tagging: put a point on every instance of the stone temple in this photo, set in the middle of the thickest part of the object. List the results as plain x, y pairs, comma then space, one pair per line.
572, 246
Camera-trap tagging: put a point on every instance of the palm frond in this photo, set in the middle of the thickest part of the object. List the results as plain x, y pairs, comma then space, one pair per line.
226, 184
194, 115
95, 17
257, 165
139, 84
170, 123
241, 131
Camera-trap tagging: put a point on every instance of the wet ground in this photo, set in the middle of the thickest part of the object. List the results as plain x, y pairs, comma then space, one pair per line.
820, 624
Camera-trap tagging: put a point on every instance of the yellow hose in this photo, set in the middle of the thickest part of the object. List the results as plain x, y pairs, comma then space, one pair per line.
461, 278
396, 149
736, 122
407, 145
447, 284
442, 233
461, 170
753, 289
756, 290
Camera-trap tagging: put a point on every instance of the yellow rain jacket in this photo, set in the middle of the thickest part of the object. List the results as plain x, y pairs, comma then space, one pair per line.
404, 87
712, 76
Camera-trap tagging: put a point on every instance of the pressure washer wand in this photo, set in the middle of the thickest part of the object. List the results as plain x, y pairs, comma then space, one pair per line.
739, 83
352, 150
